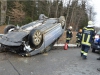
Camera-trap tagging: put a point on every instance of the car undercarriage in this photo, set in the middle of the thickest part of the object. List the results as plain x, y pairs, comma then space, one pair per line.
36, 37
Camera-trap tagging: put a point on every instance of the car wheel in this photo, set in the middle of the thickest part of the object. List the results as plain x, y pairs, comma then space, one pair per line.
93, 50
62, 20
35, 38
9, 28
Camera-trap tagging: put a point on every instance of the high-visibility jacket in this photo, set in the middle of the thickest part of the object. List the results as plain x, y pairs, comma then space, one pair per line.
79, 36
88, 34
68, 34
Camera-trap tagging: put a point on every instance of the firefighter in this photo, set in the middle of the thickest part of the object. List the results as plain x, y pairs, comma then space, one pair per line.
68, 34
88, 34
79, 38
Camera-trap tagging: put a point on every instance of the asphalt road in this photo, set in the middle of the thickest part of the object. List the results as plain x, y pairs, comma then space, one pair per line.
55, 62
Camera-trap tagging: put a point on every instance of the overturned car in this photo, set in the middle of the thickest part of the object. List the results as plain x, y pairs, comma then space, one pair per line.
36, 37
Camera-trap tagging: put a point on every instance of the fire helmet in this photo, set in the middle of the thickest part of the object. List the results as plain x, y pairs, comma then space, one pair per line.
90, 24
70, 27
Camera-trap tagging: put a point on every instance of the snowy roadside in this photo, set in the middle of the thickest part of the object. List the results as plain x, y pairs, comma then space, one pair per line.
70, 45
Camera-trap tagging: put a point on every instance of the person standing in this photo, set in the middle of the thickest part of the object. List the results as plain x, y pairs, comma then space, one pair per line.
68, 37
69, 34
79, 38
88, 34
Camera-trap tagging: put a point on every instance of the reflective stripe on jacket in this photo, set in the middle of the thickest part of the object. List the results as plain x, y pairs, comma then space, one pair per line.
68, 34
87, 35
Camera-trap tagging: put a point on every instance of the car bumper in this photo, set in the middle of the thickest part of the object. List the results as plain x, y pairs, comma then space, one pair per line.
96, 46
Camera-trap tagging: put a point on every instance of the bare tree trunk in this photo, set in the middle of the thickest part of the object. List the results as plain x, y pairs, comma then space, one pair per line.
78, 23
90, 13
80, 16
71, 19
61, 12
49, 9
67, 11
56, 10
3, 11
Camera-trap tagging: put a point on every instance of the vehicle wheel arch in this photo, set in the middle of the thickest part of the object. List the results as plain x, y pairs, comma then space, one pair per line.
36, 42
9, 28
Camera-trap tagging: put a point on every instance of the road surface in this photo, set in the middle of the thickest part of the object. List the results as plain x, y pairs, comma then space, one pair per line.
55, 62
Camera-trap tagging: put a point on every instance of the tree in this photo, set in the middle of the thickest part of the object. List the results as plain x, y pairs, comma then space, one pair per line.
49, 7
3, 11
66, 11
75, 11
84, 16
60, 8
91, 13
0, 10
42, 7
17, 14
76, 14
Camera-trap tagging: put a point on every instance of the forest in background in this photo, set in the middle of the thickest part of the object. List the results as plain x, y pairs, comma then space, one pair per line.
17, 12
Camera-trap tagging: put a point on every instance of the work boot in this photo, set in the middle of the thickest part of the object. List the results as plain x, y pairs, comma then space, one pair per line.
98, 69
81, 54
98, 58
84, 57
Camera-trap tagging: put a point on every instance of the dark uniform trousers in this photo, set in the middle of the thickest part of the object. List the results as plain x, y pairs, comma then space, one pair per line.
67, 41
78, 42
79, 39
84, 50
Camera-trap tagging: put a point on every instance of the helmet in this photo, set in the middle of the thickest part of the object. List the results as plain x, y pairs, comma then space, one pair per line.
70, 27
90, 23
80, 30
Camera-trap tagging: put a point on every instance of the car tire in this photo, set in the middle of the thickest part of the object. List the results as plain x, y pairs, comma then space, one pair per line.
9, 28
62, 20
35, 38
93, 50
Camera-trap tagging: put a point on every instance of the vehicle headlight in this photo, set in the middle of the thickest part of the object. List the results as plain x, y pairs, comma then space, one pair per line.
98, 46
